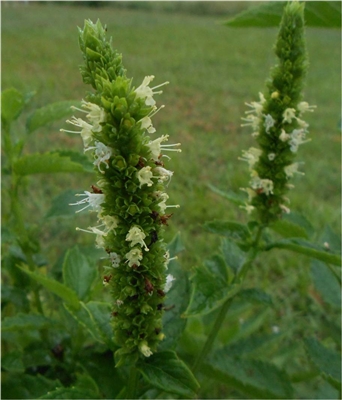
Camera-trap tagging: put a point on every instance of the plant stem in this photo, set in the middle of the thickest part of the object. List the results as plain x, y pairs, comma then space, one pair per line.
132, 383
225, 307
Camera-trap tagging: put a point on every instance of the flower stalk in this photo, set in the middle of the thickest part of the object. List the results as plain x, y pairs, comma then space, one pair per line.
276, 120
129, 196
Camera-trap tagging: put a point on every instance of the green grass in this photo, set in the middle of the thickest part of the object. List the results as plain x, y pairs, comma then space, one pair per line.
213, 70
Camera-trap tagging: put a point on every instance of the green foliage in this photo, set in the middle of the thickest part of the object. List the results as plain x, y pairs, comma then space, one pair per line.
324, 14
167, 372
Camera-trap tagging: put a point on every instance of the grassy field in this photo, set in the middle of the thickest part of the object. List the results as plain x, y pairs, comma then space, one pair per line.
213, 70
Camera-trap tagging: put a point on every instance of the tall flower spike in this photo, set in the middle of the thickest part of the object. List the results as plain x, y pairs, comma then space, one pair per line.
130, 190
276, 122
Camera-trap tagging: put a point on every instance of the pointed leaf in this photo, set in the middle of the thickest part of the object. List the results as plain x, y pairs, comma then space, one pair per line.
65, 293
229, 195
331, 239
46, 163
50, 113
79, 158
100, 312
256, 379
326, 283
22, 321
12, 103
326, 360
165, 371
78, 273
176, 245
60, 206
288, 229
217, 267
208, 293
233, 255
304, 247
13, 362
256, 296
229, 229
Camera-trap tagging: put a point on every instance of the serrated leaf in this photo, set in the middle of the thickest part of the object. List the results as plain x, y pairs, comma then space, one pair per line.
50, 113
288, 229
326, 283
209, 292
232, 230
13, 362
62, 291
70, 393
217, 266
177, 300
255, 296
326, 360
78, 273
60, 206
317, 13
101, 314
85, 317
254, 378
45, 164
229, 195
79, 158
165, 371
309, 249
12, 103
24, 322
233, 255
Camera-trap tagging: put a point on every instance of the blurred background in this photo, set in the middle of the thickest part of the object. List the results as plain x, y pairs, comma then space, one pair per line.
213, 70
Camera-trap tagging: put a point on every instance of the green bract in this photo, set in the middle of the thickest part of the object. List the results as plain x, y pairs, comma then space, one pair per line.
277, 122
129, 197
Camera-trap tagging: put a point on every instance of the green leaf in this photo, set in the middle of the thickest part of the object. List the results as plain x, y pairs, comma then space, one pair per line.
229, 229
304, 247
22, 321
229, 195
61, 205
78, 273
288, 229
84, 315
100, 312
46, 163
177, 300
50, 113
256, 379
79, 158
233, 255
176, 245
255, 296
65, 293
12, 104
317, 13
326, 360
331, 239
165, 371
70, 393
14, 295
209, 292
326, 283
13, 362
24, 386
217, 266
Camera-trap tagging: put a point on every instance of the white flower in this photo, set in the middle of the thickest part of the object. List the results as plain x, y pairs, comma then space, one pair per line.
289, 114
297, 138
145, 176
285, 209
168, 284
256, 105
86, 129
248, 207
144, 349
136, 236
292, 169
156, 147
145, 92
303, 107
251, 193
102, 154
109, 221
134, 256
115, 259
271, 156
119, 303
269, 122
94, 200
163, 174
252, 121
302, 124
146, 123
251, 156
284, 136
265, 184
96, 115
